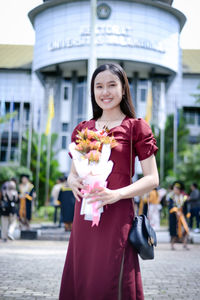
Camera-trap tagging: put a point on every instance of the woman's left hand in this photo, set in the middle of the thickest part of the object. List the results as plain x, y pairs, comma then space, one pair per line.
105, 195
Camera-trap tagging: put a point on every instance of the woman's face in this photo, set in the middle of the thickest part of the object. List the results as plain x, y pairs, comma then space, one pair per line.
176, 190
107, 90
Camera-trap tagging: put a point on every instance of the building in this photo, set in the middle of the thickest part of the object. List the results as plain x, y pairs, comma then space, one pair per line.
142, 36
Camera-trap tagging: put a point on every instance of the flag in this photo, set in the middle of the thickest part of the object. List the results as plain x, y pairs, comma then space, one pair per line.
149, 103
50, 113
2, 114
162, 107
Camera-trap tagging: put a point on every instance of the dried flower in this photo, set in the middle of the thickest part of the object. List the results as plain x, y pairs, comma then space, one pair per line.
90, 143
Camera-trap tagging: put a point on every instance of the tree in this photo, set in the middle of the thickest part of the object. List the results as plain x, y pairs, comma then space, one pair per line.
182, 135
54, 165
188, 171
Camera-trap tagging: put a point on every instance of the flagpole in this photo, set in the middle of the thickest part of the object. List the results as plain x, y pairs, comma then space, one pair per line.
175, 138
37, 181
20, 132
92, 61
162, 120
10, 133
30, 137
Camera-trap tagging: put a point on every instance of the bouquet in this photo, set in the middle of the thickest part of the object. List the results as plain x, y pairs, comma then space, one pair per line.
91, 154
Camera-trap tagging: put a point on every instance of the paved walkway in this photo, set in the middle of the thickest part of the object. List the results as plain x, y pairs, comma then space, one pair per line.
32, 270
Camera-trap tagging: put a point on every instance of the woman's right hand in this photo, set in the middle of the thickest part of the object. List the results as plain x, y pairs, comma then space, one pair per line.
76, 184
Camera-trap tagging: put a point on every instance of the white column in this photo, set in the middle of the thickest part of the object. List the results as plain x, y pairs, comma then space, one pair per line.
92, 61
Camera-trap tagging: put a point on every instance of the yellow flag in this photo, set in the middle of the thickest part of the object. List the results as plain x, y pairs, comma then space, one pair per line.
149, 103
50, 114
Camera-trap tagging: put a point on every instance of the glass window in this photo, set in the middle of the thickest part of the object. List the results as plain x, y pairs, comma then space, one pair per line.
198, 118
65, 127
66, 93
190, 117
143, 95
80, 100
64, 142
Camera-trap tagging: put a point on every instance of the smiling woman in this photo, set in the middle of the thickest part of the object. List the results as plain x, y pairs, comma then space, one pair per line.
101, 263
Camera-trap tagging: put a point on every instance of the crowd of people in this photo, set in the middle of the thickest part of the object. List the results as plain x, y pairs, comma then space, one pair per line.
17, 201
182, 209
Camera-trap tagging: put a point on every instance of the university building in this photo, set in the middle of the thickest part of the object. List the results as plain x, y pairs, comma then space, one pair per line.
140, 35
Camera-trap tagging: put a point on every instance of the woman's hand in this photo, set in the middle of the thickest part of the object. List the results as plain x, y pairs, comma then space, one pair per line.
106, 196
76, 184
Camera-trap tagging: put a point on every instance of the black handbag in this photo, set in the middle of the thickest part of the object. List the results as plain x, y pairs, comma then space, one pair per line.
143, 237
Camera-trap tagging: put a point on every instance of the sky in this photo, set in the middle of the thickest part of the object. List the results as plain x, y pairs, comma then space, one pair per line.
15, 27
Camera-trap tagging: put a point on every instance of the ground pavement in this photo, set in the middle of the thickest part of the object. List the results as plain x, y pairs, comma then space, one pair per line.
32, 270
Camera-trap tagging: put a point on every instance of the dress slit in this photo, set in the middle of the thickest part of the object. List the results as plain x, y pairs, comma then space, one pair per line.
120, 277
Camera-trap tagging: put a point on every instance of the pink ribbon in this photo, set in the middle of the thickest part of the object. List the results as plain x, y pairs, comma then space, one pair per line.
96, 215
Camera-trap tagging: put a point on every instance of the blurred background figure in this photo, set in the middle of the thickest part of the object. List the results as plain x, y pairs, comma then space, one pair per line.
143, 205
154, 209
67, 201
27, 195
8, 208
178, 228
194, 204
55, 202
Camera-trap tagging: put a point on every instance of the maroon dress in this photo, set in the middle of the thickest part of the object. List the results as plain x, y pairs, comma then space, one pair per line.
101, 263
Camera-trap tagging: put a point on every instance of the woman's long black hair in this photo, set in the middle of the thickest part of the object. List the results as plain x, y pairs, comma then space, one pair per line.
126, 104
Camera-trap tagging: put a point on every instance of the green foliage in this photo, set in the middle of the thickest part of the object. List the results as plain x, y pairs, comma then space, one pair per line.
54, 165
182, 145
197, 96
8, 116
8, 172
189, 170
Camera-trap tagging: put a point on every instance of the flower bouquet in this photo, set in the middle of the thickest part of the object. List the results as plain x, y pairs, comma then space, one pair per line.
91, 154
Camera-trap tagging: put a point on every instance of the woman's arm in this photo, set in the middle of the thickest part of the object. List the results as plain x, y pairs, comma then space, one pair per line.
138, 188
75, 183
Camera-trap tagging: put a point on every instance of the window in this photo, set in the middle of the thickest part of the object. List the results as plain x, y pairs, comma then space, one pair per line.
65, 127
64, 142
143, 95
190, 117
66, 93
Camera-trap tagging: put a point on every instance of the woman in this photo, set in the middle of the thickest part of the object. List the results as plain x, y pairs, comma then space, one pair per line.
154, 209
101, 263
27, 194
8, 207
178, 227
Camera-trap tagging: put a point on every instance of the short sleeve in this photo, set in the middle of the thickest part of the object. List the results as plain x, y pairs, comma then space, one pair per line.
144, 142
75, 131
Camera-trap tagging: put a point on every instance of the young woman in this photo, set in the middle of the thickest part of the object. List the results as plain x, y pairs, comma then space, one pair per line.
178, 227
101, 263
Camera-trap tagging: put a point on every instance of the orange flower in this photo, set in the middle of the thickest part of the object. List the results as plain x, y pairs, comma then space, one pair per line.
90, 143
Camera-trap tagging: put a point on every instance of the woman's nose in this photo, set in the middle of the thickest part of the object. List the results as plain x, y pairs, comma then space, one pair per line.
105, 91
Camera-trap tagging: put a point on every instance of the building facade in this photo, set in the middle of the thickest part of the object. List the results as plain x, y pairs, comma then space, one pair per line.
142, 36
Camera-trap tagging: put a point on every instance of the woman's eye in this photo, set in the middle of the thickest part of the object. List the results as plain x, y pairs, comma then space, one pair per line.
98, 87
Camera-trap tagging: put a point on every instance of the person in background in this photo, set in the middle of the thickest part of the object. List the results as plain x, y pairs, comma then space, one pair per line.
56, 203
8, 208
67, 200
26, 195
154, 209
178, 227
194, 204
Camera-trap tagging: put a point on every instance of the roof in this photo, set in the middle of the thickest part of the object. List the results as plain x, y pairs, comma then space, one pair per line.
163, 4
16, 56
21, 56
191, 61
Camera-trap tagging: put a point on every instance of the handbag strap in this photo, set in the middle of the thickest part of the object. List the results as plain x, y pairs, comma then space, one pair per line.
131, 170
